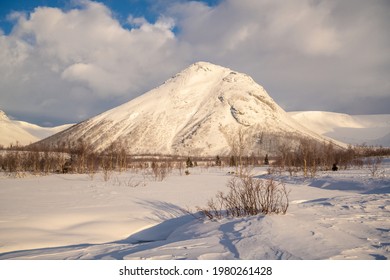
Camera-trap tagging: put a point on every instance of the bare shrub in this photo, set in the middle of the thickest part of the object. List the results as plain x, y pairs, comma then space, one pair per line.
107, 168
214, 208
248, 196
131, 182
374, 166
160, 170
292, 170
107, 173
11, 162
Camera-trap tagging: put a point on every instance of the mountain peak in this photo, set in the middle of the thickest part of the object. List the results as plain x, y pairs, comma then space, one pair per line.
202, 68
206, 65
206, 77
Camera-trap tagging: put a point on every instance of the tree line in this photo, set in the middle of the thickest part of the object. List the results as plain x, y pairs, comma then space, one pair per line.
302, 154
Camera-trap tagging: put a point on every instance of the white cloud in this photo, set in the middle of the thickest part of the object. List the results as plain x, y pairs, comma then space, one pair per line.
96, 78
306, 53
90, 46
76, 63
81, 48
136, 21
298, 26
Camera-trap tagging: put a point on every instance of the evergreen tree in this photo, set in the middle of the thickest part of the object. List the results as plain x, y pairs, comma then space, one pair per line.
218, 161
266, 161
189, 162
232, 161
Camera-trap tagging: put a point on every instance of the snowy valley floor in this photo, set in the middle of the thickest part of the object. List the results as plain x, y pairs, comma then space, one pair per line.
336, 215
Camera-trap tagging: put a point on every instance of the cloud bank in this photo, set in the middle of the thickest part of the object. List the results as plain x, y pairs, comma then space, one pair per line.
67, 65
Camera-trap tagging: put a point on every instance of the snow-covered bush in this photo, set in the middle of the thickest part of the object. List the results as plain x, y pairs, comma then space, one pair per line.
248, 196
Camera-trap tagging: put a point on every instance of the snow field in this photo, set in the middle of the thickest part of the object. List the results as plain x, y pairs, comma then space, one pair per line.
336, 215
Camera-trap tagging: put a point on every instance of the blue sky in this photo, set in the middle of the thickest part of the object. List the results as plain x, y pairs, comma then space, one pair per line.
63, 61
121, 8
7, 7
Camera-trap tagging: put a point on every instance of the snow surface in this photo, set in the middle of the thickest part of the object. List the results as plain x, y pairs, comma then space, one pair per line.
336, 215
24, 133
350, 129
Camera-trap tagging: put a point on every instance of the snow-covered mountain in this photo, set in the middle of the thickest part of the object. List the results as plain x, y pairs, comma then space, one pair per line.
350, 129
199, 111
14, 132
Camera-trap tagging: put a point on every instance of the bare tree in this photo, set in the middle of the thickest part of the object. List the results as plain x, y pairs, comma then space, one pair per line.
238, 141
160, 170
374, 165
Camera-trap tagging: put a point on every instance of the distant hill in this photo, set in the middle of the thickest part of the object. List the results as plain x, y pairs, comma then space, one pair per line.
14, 132
350, 129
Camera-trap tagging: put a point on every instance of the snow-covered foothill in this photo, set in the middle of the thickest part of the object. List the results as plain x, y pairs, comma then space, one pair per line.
350, 129
14, 132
